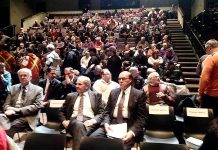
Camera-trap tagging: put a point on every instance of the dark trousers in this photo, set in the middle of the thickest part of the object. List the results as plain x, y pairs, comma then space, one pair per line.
210, 102
3, 96
100, 132
18, 125
78, 130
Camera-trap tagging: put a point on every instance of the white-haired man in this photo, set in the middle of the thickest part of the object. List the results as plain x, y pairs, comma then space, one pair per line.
81, 112
157, 92
23, 103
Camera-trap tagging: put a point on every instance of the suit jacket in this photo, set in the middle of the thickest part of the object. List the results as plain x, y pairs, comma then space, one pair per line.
136, 109
96, 104
68, 88
56, 89
34, 98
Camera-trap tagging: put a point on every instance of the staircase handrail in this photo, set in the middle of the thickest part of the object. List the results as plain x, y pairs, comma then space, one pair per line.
7, 28
197, 44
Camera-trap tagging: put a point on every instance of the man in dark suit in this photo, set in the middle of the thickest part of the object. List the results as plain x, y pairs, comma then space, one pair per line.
131, 111
81, 112
52, 87
69, 82
23, 103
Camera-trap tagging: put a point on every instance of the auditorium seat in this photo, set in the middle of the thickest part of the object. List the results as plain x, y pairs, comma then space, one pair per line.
160, 125
162, 146
196, 121
41, 141
89, 143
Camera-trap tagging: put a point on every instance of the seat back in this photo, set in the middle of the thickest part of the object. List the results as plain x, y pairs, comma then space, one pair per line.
52, 114
182, 101
196, 120
162, 146
160, 121
53, 110
41, 141
90, 143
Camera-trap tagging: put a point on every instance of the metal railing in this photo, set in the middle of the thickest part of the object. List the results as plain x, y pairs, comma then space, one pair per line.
194, 37
9, 30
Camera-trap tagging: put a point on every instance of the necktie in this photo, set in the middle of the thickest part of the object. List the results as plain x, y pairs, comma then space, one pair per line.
47, 92
120, 109
80, 110
23, 95
20, 101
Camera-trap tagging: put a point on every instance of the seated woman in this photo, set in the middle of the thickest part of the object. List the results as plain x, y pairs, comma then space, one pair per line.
110, 42
158, 93
155, 58
170, 56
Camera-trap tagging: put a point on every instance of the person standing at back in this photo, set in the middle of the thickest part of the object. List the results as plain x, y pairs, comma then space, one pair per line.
209, 43
114, 63
208, 85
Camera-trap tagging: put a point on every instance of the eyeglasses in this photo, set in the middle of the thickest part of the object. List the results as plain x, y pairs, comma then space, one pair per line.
122, 78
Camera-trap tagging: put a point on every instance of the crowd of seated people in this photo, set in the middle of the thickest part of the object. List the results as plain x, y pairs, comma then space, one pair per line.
86, 48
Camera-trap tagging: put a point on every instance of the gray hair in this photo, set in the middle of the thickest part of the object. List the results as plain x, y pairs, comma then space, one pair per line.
211, 43
105, 70
26, 70
150, 70
50, 46
135, 69
151, 75
85, 80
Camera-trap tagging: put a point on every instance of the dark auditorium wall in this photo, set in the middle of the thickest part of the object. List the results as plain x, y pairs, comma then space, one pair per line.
62, 5
158, 3
19, 9
4, 13
71, 5
186, 7
197, 7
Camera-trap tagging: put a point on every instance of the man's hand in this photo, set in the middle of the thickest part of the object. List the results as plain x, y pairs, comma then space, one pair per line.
44, 104
199, 99
161, 95
107, 127
65, 123
67, 79
90, 122
128, 137
14, 109
9, 112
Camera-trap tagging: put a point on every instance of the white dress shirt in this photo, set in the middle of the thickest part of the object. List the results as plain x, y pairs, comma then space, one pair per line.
87, 109
125, 105
104, 88
85, 61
